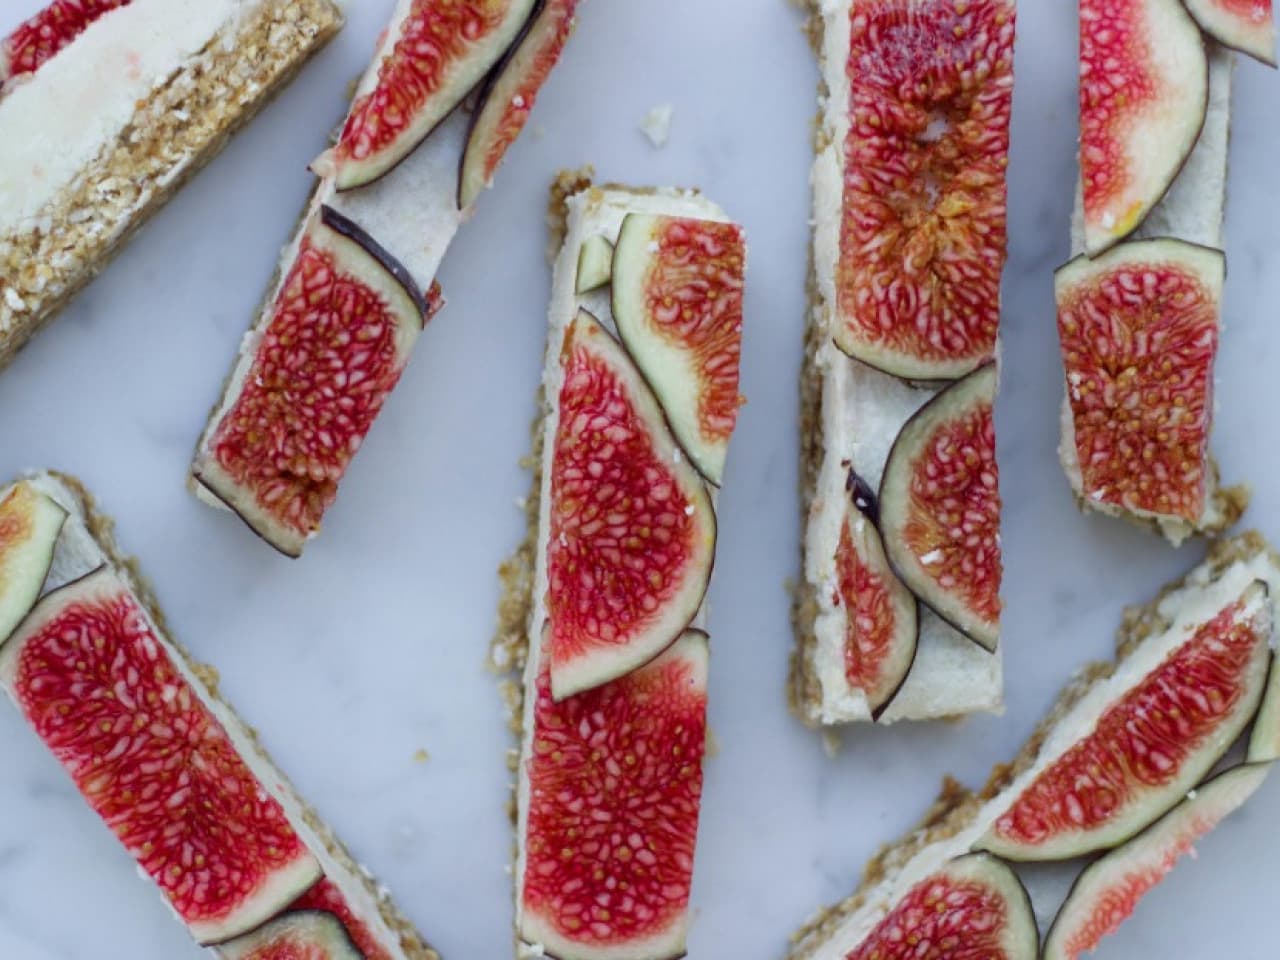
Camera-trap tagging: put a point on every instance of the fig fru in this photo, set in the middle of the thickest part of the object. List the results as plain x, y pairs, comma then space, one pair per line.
1155, 741
296, 935
973, 906
678, 300
940, 507
1144, 91
882, 620
338, 339
1139, 327
614, 790
327, 897
1110, 888
923, 231
632, 528
39, 38
435, 55
595, 265
1264, 739
30, 523
1245, 25
90, 673
509, 95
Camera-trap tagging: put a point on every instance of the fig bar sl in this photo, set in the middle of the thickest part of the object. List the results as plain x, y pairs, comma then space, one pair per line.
243, 861
1137, 761
1140, 305
604, 605
897, 615
106, 108
356, 285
